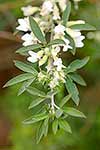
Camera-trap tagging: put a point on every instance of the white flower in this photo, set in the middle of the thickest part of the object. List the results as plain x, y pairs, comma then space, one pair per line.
33, 57
29, 10
47, 8
59, 29
29, 39
78, 41
76, 35
66, 46
58, 64
23, 25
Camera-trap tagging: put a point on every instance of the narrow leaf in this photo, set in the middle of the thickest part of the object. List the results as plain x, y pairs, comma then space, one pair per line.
39, 133
28, 48
65, 100
59, 113
36, 30
66, 13
65, 126
35, 118
83, 27
46, 126
18, 79
25, 85
55, 126
72, 90
35, 91
57, 41
25, 67
74, 112
78, 79
36, 102
77, 64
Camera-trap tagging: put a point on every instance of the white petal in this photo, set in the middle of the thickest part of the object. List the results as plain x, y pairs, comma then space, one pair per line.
31, 59
32, 54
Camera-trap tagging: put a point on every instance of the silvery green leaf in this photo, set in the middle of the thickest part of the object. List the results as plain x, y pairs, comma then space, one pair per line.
35, 118
28, 48
65, 125
25, 67
56, 41
78, 79
55, 126
58, 113
35, 91
36, 102
66, 13
46, 126
25, 85
19, 78
77, 64
83, 27
74, 112
39, 133
72, 90
65, 100
36, 30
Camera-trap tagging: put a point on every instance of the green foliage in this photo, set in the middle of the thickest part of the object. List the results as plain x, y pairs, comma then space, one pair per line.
19, 78
72, 90
27, 48
83, 27
73, 112
36, 30
66, 14
77, 64
65, 126
46, 112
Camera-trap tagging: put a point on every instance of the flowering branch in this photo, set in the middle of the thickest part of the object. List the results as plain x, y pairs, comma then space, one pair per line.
46, 34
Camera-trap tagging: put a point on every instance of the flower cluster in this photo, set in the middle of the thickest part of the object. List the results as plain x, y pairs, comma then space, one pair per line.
49, 19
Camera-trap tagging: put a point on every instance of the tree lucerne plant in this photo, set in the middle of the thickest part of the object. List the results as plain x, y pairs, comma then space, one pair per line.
47, 33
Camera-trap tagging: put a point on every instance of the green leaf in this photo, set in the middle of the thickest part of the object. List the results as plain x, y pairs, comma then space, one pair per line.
18, 79
77, 64
36, 102
35, 118
72, 90
66, 14
59, 113
25, 67
65, 100
56, 41
83, 27
46, 126
28, 48
35, 91
74, 112
78, 79
39, 133
65, 126
25, 85
72, 43
55, 126
36, 30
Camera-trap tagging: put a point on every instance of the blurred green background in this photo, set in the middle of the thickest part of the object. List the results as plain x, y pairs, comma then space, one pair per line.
13, 110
